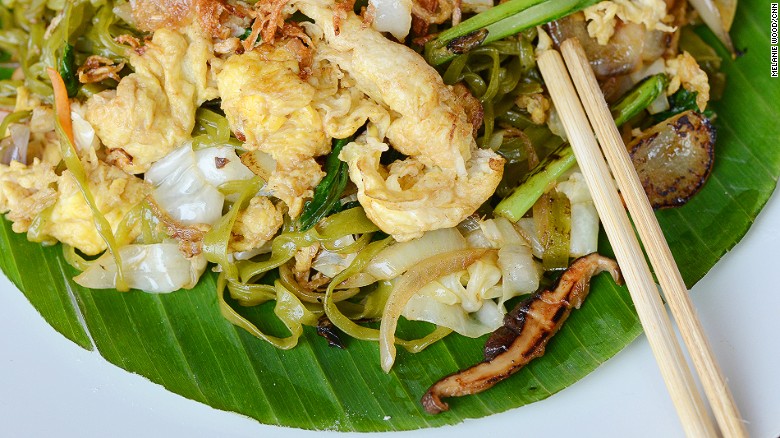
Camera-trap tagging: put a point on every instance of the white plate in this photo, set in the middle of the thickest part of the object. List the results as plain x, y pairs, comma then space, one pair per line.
51, 387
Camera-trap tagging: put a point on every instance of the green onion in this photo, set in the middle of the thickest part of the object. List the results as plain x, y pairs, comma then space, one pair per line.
535, 183
639, 98
497, 23
328, 192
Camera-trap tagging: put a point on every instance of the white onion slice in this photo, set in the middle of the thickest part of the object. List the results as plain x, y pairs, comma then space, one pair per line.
398, 258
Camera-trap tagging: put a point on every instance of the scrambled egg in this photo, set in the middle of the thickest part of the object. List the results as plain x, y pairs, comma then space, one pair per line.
256, 225
25, 191
35, 192
537, 106
71, 220
685, 71
269, 107
446, 176
152, 111
602, 17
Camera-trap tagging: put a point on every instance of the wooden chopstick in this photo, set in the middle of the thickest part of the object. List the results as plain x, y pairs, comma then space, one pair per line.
664, 266
693, 413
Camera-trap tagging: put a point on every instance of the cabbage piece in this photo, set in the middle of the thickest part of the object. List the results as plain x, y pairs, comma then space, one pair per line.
330, 263
461, 301
519, 271
584, 218
154, 268
500, 232
83, 133
220, 165
186, 182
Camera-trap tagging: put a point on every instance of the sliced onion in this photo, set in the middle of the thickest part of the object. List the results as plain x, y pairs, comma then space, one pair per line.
397, 259
17, 149
393, 16
423, 308
154, 268
418, 276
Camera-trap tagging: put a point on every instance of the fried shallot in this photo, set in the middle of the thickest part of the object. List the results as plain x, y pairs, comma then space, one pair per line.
524, 335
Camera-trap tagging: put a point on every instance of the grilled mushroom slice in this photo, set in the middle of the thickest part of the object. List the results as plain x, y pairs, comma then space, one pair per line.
524, 335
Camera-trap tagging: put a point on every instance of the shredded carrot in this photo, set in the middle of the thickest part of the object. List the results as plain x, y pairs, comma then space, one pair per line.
61, 102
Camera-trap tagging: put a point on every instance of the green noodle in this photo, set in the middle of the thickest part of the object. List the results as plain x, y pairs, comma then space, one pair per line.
213, 130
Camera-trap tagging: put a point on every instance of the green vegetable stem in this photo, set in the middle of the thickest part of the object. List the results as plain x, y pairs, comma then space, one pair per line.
496, 23
536, 182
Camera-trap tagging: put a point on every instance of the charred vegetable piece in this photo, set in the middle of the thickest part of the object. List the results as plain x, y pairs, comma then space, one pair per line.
524, 335
674, 158
327, 330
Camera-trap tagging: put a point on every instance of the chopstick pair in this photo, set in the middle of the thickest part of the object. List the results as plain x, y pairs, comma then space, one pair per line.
680, 383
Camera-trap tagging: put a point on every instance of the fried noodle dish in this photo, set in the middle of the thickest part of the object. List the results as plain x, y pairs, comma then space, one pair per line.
355, 163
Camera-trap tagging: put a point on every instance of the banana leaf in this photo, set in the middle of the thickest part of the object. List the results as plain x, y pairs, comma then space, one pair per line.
181, 341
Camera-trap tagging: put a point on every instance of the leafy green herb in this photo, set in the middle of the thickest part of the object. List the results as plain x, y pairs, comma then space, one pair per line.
67, 69
5, 71
329, 190
681, 101
247, 33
